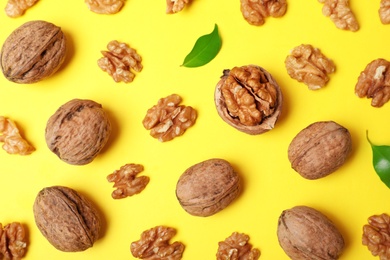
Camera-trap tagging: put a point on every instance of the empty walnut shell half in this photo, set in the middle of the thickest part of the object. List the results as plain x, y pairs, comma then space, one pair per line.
319, 149
68, 220
33, 52
78, 131
207, 187
249, 99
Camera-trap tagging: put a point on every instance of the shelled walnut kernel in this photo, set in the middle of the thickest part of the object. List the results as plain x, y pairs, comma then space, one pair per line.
154, 244
255, 11
126, 182
168, 119
340, 13
120, 61
175, 6
374, 82
308, 65
13, 241
376, 235
384, 11
16, 8
105, 6
12, 139
237, 247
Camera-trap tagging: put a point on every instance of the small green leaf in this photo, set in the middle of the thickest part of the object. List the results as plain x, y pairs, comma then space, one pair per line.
381, 161
204, 50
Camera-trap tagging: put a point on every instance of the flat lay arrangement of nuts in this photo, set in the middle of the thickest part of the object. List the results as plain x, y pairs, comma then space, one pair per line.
248, 98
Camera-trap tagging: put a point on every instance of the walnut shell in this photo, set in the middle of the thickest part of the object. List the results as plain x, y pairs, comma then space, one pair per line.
66, 219
305, 233
207, 187
32, 52
78, 131
269, 117
319, 149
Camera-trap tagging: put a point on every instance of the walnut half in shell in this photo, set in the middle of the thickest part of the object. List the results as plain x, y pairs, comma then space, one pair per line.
249, 99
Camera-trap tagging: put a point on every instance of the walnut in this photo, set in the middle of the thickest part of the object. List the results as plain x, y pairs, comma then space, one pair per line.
13, 241
12, 139
126, 182
308, 65
374, 82
376, 235
175, 6
16, 8
78, 131
154, 244
168, 119
66, 218
384, 11
255, 11
33, 52
340, 13
236, 247
249, 99
120, 61
105, 6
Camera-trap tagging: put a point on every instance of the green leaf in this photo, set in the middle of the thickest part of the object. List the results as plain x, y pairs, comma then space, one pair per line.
381, 161
204, 50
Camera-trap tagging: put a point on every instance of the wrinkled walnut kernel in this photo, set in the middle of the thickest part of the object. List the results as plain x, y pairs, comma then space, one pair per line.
236, 247
340, 13
384, 11
13, 241
374, 82
376, 236
16, 8
126, 182
255, 11
175, 6
154, 245
308, 65
105, 6
120, 61
13, 141
168, 119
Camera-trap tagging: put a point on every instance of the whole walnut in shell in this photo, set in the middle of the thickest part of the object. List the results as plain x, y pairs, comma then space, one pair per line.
33, 52
319, 149
248, 99
67, 219
207, 187
305, 233
78, 131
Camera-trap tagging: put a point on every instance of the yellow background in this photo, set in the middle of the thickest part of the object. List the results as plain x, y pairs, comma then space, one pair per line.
348, 197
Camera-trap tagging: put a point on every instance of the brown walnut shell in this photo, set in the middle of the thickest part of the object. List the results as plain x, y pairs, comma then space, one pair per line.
319, 149
68, 220
305, 233
207, 187
32, 52
78, 131
269, 118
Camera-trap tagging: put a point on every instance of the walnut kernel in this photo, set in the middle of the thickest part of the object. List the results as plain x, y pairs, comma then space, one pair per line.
12, 139
376, 235
374, 82
255, 11
340, 13
105, 6
120, 61
16, 8
175, 6
237, 247
168, 119
154, 244
126, 182
308, 65
13, 241
384, 11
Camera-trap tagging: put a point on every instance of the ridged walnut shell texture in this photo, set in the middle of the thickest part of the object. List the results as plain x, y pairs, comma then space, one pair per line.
305, 233
208, 187
78, 131
319, 149
33, 52
68, 220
